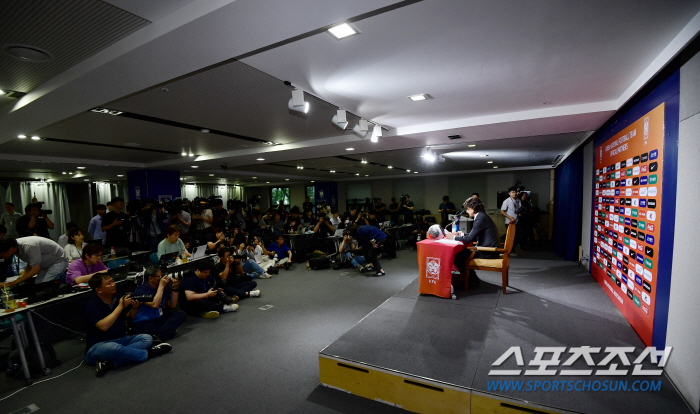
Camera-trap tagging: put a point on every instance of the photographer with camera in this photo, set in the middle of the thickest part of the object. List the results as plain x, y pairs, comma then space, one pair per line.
116, 225
406, 206
202, 216
308, 219
238, 236
277, 225
372, 240
324, 228
261, 254
180, 218
158, 317
352, 251
35, 221
445, 209
335, 219
525, 219
237, 283
203, 298
106, 313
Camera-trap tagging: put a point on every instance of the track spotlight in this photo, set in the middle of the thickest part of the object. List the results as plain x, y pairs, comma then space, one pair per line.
297, 103
360, 129
376, 133
340, 119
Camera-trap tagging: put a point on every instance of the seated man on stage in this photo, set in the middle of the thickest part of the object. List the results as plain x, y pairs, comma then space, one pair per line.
158, 318
484, 233
107, 345
372, 240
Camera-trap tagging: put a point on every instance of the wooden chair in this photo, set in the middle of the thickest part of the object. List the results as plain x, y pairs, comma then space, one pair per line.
501, 264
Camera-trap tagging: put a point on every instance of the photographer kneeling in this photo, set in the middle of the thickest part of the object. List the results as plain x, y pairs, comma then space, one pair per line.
349, 249
158, 317
203, 298
107, 345
372, 240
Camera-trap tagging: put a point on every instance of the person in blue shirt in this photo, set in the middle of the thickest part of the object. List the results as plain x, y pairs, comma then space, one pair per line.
158, 317
107, 345
372, 240
280, 249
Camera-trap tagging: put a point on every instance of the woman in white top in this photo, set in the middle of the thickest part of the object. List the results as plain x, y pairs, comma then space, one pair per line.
335, 219
260, 254
74, 248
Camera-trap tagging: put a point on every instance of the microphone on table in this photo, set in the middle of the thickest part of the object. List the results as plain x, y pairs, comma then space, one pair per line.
456, 217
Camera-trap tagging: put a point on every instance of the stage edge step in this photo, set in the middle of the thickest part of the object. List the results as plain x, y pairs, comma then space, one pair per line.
417, 394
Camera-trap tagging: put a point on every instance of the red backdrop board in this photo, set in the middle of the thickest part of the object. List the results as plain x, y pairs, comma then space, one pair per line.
435, 264
627, 218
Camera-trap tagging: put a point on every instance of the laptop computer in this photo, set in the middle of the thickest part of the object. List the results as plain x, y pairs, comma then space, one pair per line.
119, 273
39, 292
168, 257
339, 233
141, 258
199, 252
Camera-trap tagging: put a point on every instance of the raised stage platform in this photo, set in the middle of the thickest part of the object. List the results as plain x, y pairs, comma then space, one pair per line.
432, 355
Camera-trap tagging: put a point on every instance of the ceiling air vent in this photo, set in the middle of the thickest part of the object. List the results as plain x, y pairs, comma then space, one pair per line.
557, 159
454, 136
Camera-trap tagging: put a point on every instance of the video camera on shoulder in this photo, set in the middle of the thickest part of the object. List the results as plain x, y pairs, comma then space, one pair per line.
40, 204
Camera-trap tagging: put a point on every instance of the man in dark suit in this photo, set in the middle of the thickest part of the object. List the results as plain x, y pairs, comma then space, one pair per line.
484, 233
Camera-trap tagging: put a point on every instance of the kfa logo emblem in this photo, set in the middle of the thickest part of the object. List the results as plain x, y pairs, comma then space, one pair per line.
432, 269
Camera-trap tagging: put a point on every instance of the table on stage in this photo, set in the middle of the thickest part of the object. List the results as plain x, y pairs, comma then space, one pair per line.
435, 266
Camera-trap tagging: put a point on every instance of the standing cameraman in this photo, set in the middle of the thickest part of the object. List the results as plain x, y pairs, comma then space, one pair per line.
116, 225
394, 211
509, 210
446, 208
35, 221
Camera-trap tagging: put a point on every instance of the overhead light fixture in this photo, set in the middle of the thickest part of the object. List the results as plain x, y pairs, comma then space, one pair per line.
80, 168
87, 179
267, 182
211, 175
120, 175
313, 181
195, 166
495, 166
204, 130
254, 177
408, 170
472, 145
286, 179
64, 173
35, 138
453, 137
363, 162
420, 97
366, 175
360, 129
483, 155
376, 133
260, 159
21, 136
340, 119
184, 154
415, 172
440, 158
300, 167
70, 173
390, 167
357, 173
332, 171
343, 30
191, 154
350, 149
297, 103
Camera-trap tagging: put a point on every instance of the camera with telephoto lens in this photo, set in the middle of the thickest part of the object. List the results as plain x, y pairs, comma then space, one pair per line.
142, 298
220, 284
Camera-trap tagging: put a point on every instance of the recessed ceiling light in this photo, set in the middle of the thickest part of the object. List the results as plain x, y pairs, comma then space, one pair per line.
495, 166
489, 162
195, 166
261, 159
342, 31
483, 155
332, 171
184, 154
81, 168
2, 92
366, 175
64, 173
286, 179
27, 53
267, 182
120, 175
36, 178
70, 173
390, 167
21, 136
472, 145
415, 172
350, 149
415, 98
204, 130
87, 179
408, 170
313, 181
35, 138
191, 154
253, 177
357, 173
363, 161
211, 175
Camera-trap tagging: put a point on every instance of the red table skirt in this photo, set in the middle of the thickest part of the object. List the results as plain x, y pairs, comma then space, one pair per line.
435, 265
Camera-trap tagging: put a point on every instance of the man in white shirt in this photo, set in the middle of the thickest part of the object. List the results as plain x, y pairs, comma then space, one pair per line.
509, 211
95, 226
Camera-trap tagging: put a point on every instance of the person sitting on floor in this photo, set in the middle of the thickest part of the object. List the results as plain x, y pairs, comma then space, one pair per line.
349, 248
201, 294
90, 262
107, 345
484, 233
280, 251
75, 244
262, 255
172, 243
238, 284
158, 318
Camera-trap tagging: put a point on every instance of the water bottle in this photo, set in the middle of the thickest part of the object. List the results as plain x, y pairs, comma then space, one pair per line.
308, 266
184, 256
113, 253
